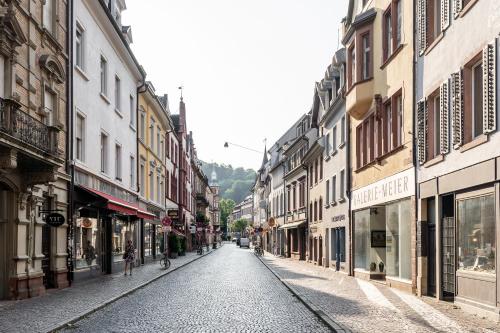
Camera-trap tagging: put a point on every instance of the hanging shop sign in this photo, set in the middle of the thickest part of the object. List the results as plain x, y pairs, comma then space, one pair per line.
271, 222
173, 214
192, 229
166, 221
54, 219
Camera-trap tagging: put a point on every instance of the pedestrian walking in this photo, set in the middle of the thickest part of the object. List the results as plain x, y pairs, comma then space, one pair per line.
89, 254
129, 256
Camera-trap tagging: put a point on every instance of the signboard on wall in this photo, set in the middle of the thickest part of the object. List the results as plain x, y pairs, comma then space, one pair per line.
398, 186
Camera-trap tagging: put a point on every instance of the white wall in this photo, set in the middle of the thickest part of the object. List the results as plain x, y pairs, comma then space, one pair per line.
100, 114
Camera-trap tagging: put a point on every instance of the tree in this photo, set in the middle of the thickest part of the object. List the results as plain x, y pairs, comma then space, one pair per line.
240, 225
226, 208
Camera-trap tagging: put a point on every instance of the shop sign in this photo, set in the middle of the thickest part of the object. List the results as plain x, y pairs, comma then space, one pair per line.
192, 229
54, 219
392, 188
199, 229
166, 221
173, 214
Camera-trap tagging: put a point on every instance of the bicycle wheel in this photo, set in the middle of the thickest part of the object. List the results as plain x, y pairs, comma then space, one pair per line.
162, 262
167, 263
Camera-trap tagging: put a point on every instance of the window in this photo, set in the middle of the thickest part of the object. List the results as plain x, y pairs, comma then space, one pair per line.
167, 185
327, 192
316, 171
391, 29
151, 185
311, 217
434, 126
80, 138
104, 153
327, 144
294, 198
158, 186
162, 146
104, 76
476, 234
388, 42
142, 177
158, 141
352, 67
398, 101
117, 93
152, 134
118, 162
133, 166
302, 194
48, 15
320, 209
315, 211
142, 120
334, 138
433, 19
311, 173
342, 184
334, 189
342, 130
132, 111
366, 56
477, 100
387, 137
79, 47
49, 100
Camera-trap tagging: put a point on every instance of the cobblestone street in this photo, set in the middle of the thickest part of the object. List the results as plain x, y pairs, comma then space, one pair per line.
227, 291
363, 306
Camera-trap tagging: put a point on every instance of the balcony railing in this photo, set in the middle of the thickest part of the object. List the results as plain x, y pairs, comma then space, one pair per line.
25, 128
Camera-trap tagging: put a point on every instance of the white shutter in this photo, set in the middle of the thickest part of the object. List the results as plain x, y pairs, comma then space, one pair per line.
445, 14
422, 131
457, 108
422, 24
457, 7
443, 98
489, 89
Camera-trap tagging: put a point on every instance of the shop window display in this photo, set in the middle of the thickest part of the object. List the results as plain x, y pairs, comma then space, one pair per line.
398, 240
122, 232
476, 234
159, 244
148, 238
86, 241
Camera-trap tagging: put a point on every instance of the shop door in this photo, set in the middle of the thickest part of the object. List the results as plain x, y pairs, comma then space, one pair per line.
47, 276
4, 255
431, 248
448, 256
320, 251
105, 244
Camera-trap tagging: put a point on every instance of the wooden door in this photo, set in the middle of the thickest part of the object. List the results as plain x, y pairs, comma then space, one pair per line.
4, 254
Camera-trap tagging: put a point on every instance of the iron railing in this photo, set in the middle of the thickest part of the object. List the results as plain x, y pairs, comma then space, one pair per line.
25, 128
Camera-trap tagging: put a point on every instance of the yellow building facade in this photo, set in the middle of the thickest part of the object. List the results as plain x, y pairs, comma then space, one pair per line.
378, 36
153, 126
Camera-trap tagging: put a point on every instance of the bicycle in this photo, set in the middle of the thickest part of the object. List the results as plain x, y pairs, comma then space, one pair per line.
258, 251
164, 262
199, 250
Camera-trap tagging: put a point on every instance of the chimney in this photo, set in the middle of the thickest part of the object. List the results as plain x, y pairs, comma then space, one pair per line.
182, 115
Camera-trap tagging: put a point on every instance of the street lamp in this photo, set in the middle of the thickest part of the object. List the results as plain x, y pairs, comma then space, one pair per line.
226, 145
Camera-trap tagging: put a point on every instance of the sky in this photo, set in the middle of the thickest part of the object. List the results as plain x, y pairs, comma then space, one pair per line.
248, 67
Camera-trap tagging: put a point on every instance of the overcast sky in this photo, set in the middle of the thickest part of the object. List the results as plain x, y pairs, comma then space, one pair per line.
248, 67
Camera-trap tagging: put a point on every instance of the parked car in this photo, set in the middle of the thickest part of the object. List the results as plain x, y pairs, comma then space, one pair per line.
238, 241
245, 242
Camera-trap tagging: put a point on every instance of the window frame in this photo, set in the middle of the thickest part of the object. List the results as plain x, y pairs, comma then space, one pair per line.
118, 161
103, 74
83, 118
80, 47
104, 152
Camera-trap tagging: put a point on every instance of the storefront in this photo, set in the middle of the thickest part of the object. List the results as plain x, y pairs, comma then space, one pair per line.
458, 231
295, 235
103, 226
383, 223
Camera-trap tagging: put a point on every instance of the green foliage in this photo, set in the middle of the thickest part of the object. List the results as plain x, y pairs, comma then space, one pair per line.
240, 225
174, 243
226, 207
234, 184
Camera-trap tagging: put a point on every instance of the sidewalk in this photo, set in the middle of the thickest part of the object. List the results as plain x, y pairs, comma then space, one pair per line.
362, 306
60, 307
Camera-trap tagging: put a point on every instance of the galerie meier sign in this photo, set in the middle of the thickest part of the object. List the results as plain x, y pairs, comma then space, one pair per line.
54, 219
398, 186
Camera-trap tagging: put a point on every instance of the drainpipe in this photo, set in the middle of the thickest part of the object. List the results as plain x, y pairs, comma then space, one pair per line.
414, 142
284, 206
70, 142
142, 88
348, 188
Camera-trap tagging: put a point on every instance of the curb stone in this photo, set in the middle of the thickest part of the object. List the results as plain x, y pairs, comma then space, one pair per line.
334, 326
69, 322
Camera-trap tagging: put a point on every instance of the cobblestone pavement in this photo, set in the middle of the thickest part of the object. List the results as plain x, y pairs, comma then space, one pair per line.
42, 314
362, 306
228, 291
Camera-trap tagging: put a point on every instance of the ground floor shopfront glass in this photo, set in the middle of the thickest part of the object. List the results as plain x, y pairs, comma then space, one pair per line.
149, 230
87, 242
382, 240
123, 231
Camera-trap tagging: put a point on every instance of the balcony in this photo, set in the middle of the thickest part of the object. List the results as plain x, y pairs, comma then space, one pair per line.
201, 200
25, 132
359, 98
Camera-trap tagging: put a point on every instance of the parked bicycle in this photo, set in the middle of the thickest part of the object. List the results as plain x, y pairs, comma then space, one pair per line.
200, 250
258, 251
164, 262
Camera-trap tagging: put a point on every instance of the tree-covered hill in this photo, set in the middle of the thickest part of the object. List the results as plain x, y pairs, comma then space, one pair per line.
234, 184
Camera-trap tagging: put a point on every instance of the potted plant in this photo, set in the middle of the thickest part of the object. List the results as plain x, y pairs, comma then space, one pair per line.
182, 246
381, 267
173, 245
373, 267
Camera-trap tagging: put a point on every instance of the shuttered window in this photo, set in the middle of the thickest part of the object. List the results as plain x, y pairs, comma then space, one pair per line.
421, 131
422, 25
457, 7
445, 14
457, 108
444, 111
489, 89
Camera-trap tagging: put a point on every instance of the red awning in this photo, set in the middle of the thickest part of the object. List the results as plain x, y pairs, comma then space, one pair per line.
116, 204
178, 233
145, 215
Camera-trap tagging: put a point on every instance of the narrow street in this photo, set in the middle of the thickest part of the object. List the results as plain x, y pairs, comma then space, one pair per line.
227, 291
